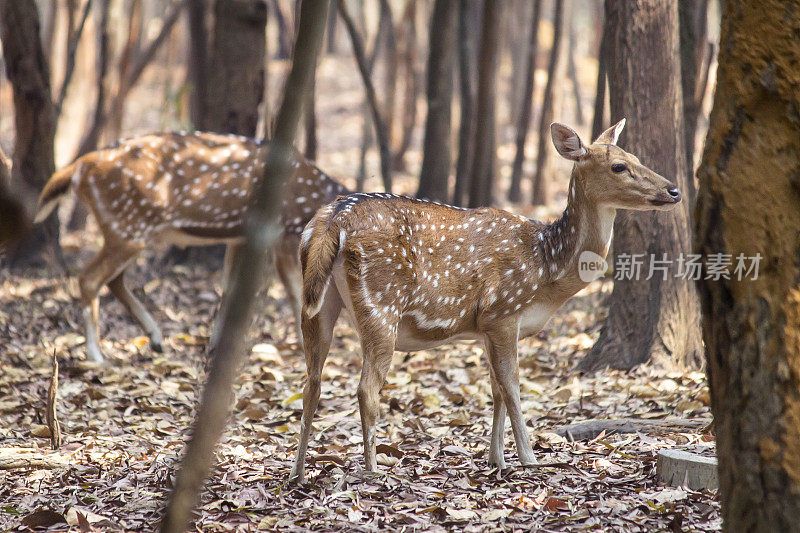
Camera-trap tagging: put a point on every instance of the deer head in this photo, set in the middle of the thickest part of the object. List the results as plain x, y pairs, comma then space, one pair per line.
610, 176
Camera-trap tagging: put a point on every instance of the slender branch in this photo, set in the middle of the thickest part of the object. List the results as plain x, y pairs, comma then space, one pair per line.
372, 99
73, 47
262, 231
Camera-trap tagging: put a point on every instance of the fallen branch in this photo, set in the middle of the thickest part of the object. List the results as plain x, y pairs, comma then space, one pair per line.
590, 429
32, 458
51, 413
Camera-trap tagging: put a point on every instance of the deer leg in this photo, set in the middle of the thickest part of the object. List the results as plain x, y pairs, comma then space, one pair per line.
502, 349
107, 265
378, 349
289, 273
137, 310
496, 448
318, 333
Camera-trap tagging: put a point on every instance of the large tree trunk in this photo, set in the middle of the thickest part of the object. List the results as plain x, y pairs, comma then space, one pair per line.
34, 117
524, 122
541, 177
692, 18
467, 68
436, 158
650, 319
484, 162
748, 204
236, 78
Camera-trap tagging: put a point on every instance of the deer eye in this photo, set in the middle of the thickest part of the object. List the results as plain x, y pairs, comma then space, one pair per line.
618, 167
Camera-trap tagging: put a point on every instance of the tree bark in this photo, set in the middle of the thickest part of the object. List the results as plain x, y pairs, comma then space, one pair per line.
13, 221
650, 319
436, 157
34, 118
524, 123
198, 61
408, 60
74, 37
484, 162
236, 78
748, 203
377, 118
603, 58
263, 230
692, 18
467, 75
540, 186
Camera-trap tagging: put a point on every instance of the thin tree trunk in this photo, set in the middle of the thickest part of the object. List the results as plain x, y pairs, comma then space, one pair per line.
263, 232
332, 46
436, 158
655, 319
483, 165
311, 123
603, 57
467, 76
124, 65
693, 21
572, 72
198, 61
372, 99
747, 205
34, 119
524, 122
285, 34
390, 72
541, 181
72, 47
92, 137
49, 33
408, 40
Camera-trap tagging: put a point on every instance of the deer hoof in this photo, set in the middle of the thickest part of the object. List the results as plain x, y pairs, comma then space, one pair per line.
156, 347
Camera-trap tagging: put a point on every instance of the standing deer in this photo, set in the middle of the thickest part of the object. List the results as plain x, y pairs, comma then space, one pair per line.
182, 189
415, 274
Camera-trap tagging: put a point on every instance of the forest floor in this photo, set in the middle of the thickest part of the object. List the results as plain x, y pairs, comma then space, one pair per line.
125, 425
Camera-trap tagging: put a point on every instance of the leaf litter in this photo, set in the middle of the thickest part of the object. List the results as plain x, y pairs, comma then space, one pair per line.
124, 426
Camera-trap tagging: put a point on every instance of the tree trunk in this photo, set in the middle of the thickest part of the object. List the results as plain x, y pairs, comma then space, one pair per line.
603, 59
311, 123
198, 61
13, 222
408, 55
263, 232
748, 203
34, 117
692, 18
390, 71
483, 164
436, 159
236, 78
524, 123
572, 71
467, 74
372, 99
650, 319
540, 187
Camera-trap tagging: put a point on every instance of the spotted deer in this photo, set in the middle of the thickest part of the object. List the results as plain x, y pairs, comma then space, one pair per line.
415, 274
182, 189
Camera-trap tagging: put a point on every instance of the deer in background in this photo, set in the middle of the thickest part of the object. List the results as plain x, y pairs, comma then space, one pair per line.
415, 274
182, 189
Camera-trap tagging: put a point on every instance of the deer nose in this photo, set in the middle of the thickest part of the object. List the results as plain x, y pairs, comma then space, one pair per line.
675, 194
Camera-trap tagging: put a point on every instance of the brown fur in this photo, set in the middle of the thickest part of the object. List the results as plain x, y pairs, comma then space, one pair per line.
416, 274
179, 188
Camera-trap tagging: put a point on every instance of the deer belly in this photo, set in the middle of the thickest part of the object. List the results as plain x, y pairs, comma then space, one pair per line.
533, 319
408, 340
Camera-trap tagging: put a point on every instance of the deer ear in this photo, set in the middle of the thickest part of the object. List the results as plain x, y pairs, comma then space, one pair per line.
611, 135
566, 141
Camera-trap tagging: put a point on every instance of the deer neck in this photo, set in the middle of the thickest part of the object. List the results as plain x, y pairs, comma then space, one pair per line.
585, 226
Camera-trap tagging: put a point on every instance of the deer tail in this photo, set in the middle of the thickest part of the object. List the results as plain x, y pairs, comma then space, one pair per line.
319, 247
55, 190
